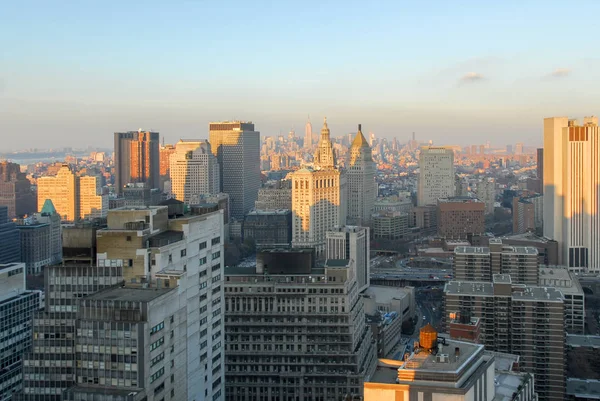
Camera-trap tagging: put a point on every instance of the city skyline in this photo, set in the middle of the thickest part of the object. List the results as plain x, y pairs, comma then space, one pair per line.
75, 72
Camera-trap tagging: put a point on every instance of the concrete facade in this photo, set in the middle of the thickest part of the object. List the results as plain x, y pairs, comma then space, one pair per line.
436, 175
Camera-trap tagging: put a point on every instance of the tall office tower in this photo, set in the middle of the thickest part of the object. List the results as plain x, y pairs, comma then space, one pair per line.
182, 250
353, 243
436, 175
93, 204
318, 198
528, 321
295, 331
481, 263
486, 192
15, 190
509, 149
371, 139
459, 217
237, 148
10, 243
519, 148
137, 159
152, 324
18, 306
194, 171
308, 136
165, 164
540, 167
49, 368
362, 187
572, 189
63, 190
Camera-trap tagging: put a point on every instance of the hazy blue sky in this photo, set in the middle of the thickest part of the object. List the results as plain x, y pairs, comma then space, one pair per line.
73, 72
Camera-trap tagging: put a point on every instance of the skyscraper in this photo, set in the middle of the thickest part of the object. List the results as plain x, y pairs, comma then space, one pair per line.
436, 175
540, 168
15, 190
362, 187
137, 159
318, 197
194, 171
237, 147
308, 139
571, 190
63, 190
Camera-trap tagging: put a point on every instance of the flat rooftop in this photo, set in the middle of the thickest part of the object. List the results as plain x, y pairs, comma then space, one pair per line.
130, 294
480, 288
560, 278
383, 294
337, 263
504, 362
423, 366
538, 294
529, 236
251, 271
6, 266
576, 340
274, 212
502, 279
583, 388
508, 384
472, 250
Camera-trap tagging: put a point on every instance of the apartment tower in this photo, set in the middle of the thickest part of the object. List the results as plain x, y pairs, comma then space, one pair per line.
137, 159
362, 187
237, 147
194, 171
572, 189
351, 242
436, 175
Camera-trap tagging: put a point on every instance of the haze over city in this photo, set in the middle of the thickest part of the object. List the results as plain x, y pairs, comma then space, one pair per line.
71, 73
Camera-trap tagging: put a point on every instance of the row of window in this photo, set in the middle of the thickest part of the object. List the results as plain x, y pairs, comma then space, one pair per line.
157, 328
157, 374
157, 343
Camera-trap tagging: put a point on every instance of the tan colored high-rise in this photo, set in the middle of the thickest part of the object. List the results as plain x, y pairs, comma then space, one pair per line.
318, 198
63, 190
92, 202
73, 197
362, 187
436, 175
572, 190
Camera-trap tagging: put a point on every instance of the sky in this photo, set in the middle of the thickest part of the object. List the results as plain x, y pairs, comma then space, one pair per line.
455, 72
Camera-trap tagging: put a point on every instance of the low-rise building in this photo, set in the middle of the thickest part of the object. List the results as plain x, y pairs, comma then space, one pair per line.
459, 217
269, 227
390, 225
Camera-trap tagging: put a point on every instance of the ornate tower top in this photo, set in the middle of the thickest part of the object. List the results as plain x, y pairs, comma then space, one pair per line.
360, 149
324, 156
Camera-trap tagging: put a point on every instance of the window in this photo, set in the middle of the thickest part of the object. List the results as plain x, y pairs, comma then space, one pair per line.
157, 359
216, 255
202, 261
129, 238
159, 388
157, 328
183, 252
202, 246
216, 278
157, 374
157, 343
215, 241
170, 258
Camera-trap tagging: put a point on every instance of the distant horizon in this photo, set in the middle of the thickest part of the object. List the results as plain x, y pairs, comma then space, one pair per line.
74, 73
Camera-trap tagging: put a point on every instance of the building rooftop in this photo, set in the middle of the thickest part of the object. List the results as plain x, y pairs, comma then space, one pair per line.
560, 278
469, 288
472, 250
502, 279
584, 389
7, 266
576, 340
337, 263
383, 294
165, 238
259, 212
528, 236
508, 384
132, 294
459, 199
424, 366
537, 294
504, 362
